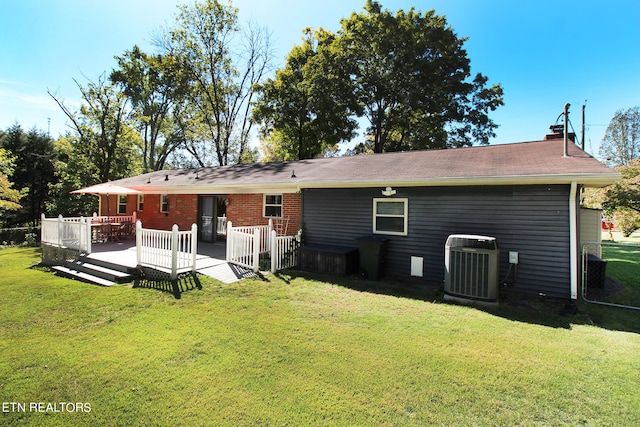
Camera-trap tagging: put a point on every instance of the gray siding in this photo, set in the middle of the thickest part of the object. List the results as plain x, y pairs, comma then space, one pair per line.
532, 220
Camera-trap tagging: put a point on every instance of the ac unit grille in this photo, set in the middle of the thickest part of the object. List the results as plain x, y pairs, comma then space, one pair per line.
470, 271
469, 274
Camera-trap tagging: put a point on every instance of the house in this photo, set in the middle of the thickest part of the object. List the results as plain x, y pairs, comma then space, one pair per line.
526, 195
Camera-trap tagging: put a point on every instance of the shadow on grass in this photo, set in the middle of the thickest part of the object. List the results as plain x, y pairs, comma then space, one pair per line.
545, 311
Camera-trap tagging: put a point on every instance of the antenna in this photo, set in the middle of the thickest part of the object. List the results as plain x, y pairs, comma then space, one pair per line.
583, 125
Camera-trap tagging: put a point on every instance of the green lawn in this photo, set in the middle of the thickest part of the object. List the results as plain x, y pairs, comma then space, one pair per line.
296, 350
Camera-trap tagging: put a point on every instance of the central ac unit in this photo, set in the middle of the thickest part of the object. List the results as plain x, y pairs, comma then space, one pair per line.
471, 266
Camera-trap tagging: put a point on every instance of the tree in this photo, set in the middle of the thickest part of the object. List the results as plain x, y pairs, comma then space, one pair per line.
408, 74
74, 169
224, 64
304, 111
620, 201
33, 171
156, 87
9, 197
621, 142
104, 131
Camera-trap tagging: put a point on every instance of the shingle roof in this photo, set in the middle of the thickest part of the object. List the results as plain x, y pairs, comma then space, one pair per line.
539, 162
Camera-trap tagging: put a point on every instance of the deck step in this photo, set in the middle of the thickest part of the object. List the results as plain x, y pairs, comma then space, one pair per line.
102, 270
83, 277
94, 271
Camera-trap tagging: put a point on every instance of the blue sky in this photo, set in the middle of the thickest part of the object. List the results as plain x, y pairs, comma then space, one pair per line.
544, 53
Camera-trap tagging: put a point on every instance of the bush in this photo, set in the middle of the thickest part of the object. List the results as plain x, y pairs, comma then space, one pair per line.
29, 236
627, 221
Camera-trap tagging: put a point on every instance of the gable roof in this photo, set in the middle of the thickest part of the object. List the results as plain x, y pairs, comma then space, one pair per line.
539, 162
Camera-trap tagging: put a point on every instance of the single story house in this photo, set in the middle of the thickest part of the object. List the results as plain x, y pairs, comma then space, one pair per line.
526, 195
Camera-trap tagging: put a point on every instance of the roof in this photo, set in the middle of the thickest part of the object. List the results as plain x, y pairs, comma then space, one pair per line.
539, 162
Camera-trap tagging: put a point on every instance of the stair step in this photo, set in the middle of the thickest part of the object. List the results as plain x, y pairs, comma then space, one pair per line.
84, 277
102, 271
104, 263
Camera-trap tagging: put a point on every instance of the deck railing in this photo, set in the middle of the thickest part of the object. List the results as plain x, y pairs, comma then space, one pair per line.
243, 246
246, 243
174, 251
284, 251
71, 233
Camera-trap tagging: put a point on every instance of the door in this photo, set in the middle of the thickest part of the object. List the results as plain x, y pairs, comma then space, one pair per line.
207, 219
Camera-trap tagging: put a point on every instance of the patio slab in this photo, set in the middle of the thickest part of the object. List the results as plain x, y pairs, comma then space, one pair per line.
210, 259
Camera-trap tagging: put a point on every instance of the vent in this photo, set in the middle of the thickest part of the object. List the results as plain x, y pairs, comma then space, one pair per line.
471, 266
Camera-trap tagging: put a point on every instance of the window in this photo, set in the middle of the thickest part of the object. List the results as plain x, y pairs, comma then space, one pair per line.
272, 206
140, 202
390, 216
164, 203
122, 204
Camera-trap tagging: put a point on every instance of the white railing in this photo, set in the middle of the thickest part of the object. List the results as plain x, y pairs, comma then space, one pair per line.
71, 233
221, 225
114, 218
169, 250
284, 251
264, 231
243, 246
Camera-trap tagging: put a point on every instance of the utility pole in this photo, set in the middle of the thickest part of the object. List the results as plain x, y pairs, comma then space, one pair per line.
566, 129
583, 125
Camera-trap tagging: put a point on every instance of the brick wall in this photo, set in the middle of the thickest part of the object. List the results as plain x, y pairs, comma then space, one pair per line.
242, 210
247, 209
183, 210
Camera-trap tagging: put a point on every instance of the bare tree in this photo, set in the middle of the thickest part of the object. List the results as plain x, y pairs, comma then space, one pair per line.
224, 65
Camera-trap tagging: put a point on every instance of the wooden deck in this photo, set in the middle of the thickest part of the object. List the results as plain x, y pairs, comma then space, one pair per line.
210, 260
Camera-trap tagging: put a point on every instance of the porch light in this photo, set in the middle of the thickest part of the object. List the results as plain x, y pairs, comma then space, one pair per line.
388, 192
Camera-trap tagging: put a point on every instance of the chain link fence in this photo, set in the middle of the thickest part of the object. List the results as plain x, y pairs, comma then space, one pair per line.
611, 274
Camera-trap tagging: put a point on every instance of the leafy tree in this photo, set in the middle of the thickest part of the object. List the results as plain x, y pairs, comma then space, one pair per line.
74, 170
224, 64
104, 132
620, 201
304, 111
410, 73
621, 142
33, 155
156, 87
409, 76
9, 197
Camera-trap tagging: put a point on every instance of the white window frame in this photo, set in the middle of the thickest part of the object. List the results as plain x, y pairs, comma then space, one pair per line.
164, 203
405, 216
264, 205
122, 207
140, 202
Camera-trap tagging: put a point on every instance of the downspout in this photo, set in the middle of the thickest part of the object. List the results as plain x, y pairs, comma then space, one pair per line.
573, 240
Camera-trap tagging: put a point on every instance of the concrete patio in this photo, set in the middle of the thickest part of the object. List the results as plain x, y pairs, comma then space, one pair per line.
210, 259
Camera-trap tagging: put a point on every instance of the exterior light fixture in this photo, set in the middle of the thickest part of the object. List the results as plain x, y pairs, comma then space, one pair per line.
388, 192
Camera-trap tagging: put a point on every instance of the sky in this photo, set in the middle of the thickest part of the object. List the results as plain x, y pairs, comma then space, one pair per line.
544, 53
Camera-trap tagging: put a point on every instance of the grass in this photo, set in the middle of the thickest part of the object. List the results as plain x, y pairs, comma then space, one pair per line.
298, 350
623, 267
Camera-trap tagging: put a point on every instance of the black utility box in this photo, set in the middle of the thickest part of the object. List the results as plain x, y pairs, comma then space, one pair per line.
373, 254
335, 260
596, 271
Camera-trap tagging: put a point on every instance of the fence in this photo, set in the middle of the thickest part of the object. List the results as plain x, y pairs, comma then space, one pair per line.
284, 251
69, 233
169, 250
245, 244
611, 274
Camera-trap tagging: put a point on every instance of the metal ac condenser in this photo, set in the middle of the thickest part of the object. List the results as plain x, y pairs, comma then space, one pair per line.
471, 266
